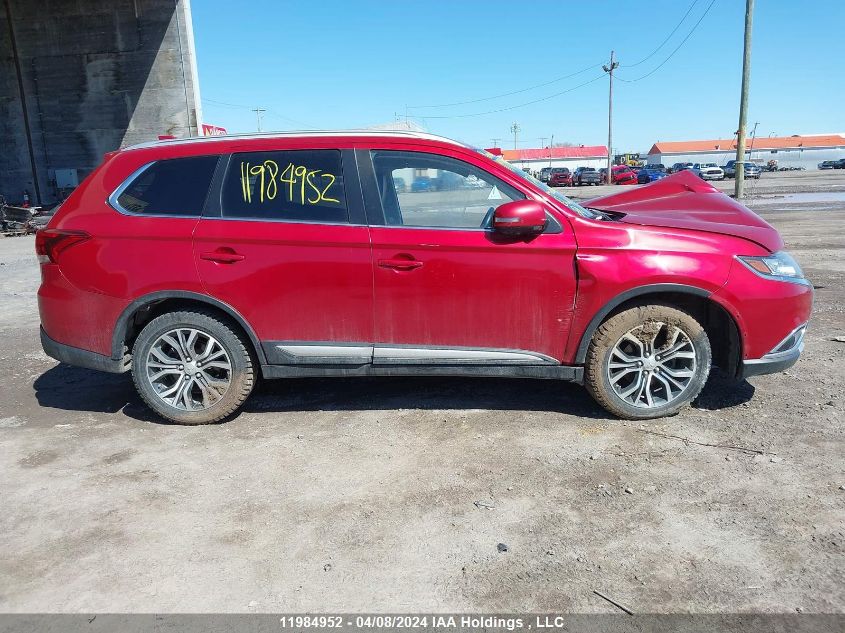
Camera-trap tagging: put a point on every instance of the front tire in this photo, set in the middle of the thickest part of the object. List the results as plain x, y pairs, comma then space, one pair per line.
647, 362
192, 367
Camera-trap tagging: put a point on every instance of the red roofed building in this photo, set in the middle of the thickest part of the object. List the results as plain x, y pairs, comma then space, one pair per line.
788, 151
570, 156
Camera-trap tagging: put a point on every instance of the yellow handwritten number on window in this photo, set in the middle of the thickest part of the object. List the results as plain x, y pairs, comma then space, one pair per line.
264, 178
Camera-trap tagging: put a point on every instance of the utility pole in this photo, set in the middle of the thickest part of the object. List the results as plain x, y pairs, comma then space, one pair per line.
609, 70
258, 113
542, 140
515, 129
551, 145
739, 185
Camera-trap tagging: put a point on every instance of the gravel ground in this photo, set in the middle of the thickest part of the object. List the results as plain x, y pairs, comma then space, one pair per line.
393, 494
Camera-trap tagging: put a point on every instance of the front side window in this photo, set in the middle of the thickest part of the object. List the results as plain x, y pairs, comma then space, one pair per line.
437, 191
292, 186
176, 186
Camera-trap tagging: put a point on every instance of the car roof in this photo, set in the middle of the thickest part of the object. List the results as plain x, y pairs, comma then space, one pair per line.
308, 134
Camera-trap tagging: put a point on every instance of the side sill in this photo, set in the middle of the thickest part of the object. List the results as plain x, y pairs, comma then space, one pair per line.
548, 372
81, 357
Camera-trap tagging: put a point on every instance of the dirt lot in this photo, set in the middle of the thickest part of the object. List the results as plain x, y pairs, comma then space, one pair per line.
392, 494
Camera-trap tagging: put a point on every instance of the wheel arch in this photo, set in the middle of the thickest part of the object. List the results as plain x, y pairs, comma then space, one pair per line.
718, 322
143, 309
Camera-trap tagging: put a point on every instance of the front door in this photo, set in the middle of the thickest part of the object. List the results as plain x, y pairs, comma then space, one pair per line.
288, 248
447, 288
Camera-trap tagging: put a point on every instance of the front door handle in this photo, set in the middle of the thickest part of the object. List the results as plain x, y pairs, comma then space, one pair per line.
400, 264
222, 256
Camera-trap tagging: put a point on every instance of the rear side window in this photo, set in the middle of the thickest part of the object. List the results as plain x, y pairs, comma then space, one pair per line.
292, 186
177, 186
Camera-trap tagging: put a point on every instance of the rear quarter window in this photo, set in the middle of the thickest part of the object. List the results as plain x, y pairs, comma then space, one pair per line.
177, 186
292, 186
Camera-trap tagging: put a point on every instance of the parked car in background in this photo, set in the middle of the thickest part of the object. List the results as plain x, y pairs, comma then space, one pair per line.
650, 173
586, 176
544, 174
708, 171
560, 177
674, 169
840, 164
752, 170
172, 262
827, 164
400, 184
621, 175
422, 183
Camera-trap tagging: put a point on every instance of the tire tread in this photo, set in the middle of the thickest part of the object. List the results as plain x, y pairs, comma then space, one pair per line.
605, 337
246, 385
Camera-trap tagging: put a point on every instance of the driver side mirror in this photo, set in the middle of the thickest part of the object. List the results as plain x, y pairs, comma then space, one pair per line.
520, 217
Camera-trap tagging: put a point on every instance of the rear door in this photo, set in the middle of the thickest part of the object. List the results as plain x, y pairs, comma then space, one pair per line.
285, 243
448, 289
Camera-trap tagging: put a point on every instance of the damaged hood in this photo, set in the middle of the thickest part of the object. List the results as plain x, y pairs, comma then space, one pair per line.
684, 201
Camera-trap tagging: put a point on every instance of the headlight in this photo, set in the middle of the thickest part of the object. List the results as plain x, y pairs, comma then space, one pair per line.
779, 264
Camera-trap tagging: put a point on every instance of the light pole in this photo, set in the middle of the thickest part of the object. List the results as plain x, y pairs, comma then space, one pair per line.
515, 129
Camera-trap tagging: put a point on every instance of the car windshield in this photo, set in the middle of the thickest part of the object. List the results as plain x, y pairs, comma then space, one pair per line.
571, 204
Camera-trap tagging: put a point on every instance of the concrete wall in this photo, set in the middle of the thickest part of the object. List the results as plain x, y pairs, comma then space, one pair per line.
91, 76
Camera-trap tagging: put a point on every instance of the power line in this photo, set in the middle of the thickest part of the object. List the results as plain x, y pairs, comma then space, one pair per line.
556, 80
669, 37
269, 111
223, 103
677, 48
521, 105
505, 94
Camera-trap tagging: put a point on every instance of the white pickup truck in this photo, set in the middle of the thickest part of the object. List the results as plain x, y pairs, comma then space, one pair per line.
708, 171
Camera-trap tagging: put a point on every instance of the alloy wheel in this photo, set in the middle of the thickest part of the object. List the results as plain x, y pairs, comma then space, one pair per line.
188, 369
652, 365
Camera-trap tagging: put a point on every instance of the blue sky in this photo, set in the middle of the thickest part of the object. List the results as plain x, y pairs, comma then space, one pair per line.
352, 64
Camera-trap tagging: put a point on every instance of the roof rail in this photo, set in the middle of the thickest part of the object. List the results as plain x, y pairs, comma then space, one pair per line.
297, 134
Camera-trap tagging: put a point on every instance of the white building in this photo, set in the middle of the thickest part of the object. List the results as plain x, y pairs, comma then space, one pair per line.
572, 157
788, 151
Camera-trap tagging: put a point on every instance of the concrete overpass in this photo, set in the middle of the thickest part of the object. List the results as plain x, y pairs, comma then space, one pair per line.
79, 78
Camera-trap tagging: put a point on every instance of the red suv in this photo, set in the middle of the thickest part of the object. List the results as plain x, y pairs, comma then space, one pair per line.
200, 264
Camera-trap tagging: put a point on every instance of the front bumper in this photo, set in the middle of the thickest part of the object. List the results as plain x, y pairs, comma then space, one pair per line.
781, 358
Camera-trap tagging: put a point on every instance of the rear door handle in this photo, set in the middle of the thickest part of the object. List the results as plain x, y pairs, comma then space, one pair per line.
400, 264
222, 256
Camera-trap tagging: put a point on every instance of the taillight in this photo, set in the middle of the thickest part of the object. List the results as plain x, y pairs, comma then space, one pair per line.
50, 242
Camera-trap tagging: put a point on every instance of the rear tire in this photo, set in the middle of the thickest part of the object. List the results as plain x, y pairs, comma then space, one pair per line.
647, 362
192, 367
